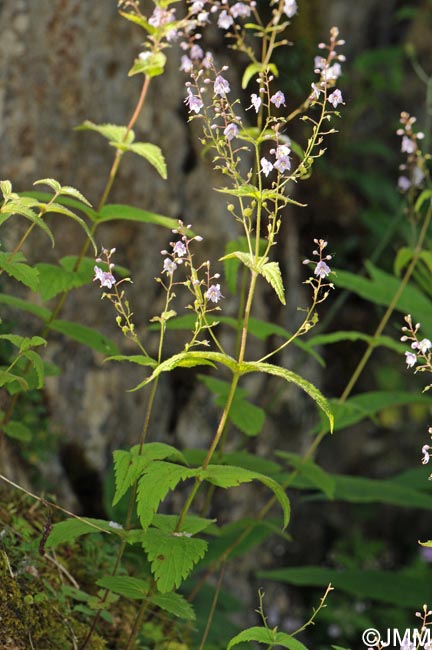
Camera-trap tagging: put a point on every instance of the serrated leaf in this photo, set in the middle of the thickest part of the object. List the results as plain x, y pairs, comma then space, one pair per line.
7, 377
227, 476
157, 480
51, 182
22, 272
69, 530
111, 132
85, 335
151, 152
271, 272
253, 263
113, 212
138, 20
174, 604
64, 200
54, 279
23, 342
67, 190
189, 360
128, 465
267, 636
38, 365
6, 188
17, 430
288, 375
126, 586
172, 557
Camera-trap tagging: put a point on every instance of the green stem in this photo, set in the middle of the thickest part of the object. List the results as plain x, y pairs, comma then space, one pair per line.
379, 330
213, 608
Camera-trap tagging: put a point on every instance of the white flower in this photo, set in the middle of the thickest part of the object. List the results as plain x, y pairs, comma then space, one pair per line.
410, 359
426, 455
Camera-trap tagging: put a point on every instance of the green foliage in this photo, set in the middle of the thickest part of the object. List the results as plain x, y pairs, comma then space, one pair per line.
165, 484
172, 556
270, 638
391, 587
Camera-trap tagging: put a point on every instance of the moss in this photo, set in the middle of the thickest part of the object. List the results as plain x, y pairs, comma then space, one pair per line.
26, 623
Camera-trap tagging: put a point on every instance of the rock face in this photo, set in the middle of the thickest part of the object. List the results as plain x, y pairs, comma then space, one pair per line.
64, 61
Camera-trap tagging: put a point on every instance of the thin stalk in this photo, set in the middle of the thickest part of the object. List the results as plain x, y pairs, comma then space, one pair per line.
229, 400
212, 608
379, 330
139, 619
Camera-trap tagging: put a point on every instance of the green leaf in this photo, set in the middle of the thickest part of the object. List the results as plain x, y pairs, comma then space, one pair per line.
85, 335
380, 290
172, 557
51, 182
151, 152
17, 430
271, 272
129, 465
252, 263
157, 480
41, 312
16, 268
342, 335
357, 489
38, 365
243, 414
189, 360
67, 190
7, 377
69, 530
62, 209
390, 587
227, 476
138, 20
310, 389
192, 524
22, 205
126, 586
174, 604
424, 196
139, 359
6, 188
312, 472
366, 405
114, 212
152, 66
23, 342
54, 279
247, 417
251, 70
45, 197
267, 636
111, 132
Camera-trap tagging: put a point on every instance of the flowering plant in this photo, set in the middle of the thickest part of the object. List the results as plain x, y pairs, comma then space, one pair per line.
168, 492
